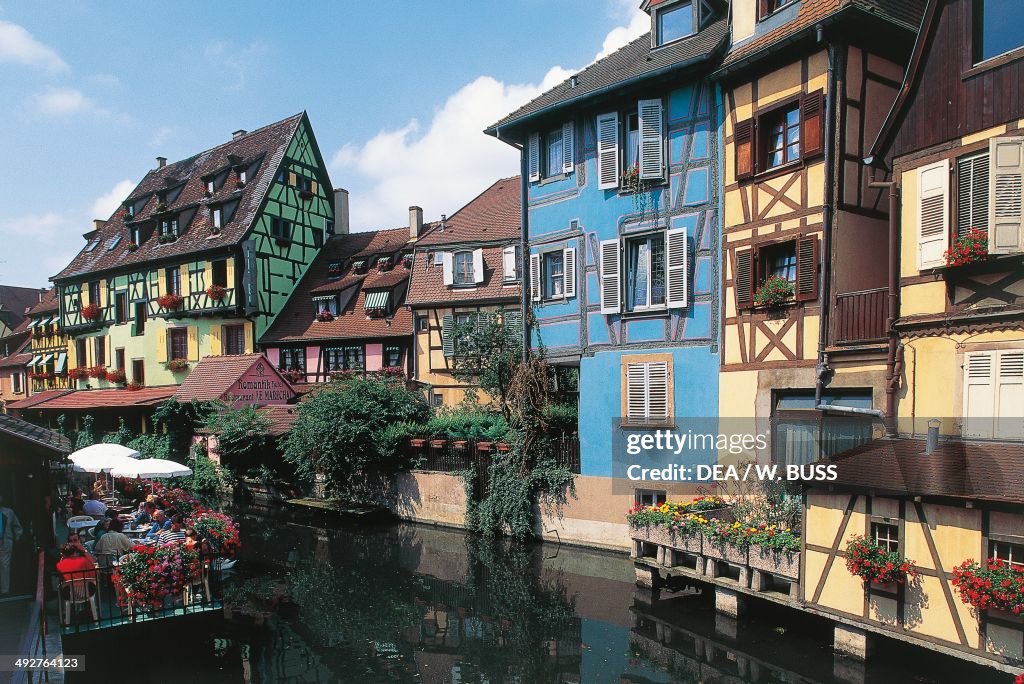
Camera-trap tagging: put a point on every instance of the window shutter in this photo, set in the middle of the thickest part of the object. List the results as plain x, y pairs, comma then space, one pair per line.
652, 139
743, 279
535, 277
247, 335
678, 270
1006, 208
807, 262
193, 343
161, 282
569, 272
932, 214
313, 186
72, 355
216, 335
293, 179
610, 285
979, 395
568, 147
186, 281
161, 345
108, 358
478, 266
533, 156
103, 294
657, 391
509, 265
647, 392
208, 274
972, 190
608, 151
743, 143
636, 394
230, 272
1010, 395
446, 268
812, 119
447, 336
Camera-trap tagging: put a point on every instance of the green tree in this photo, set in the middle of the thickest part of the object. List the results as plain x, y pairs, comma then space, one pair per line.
179, 420
346, 431
487, 350
85, 436
242, 434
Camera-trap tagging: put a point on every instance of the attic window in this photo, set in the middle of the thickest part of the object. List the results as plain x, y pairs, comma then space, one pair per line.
210, 183
438, 258
113, 242
92, 245
675, 22
130, 210
377, 301
135, 235
358, 264
334, 270
217, 217
242, 175
383, 261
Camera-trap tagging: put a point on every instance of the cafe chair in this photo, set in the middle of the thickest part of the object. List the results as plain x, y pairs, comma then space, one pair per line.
77, 592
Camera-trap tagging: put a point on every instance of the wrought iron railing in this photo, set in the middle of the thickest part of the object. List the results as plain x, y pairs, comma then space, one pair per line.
860, 316
449, 455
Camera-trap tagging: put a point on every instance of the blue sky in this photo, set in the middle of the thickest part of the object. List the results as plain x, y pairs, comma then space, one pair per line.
397, 93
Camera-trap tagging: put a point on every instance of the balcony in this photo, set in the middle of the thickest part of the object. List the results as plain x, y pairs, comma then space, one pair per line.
860, 317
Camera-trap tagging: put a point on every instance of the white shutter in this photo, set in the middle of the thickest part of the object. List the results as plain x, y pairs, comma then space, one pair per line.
610, 280
1010, 395
678, 268
979, 395
652, 139
647, 392
535, 277
1006, 207
478, 266
972, 191
657, 391
508, 263
569, 271
636, 392
533, 156
608, 151
932, 214
568, 147
446, 267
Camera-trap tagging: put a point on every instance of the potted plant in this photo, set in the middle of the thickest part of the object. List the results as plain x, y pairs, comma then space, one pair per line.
160, 206
631, 178
91, 312
438, 443
325, 316
875, 565
728, 541
775, 291
216, 293
169, 301
177, 365
147, 575
133, 386
995, 586
116, 376
132, 247
969, 248
166, 238
294, 375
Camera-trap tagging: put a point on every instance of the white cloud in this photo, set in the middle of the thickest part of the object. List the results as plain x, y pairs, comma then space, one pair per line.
107, 204
161, 135
19, 47
237, 62
444, 163
61, 101
38, 227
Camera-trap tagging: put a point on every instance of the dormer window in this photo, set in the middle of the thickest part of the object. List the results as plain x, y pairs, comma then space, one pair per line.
242, 176
359, 265
384, 263
769, 7
129, 210
334, 270
210, 183
135, 235
326, 307
376, 303
168, 229
674, 22
463, 268
217, 217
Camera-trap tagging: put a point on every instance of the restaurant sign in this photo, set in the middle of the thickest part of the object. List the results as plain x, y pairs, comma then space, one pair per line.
260, 385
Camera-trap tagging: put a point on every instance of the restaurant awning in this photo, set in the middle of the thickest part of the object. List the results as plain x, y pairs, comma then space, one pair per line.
377, 300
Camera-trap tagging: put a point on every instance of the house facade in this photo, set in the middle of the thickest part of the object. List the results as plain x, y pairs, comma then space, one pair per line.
48, 366
198, 260
805, 88
621, 172
463, 266
15, 357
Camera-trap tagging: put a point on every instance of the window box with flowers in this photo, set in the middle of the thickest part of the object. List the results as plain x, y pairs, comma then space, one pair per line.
132, 247
169, 301
166, 238
867, 559
177, 365
294, 375
993, 585
116, 376
407, 262
91, 312
78, 373
98, 373
133, 386
325, 317
969, 248
774, 293
216, 293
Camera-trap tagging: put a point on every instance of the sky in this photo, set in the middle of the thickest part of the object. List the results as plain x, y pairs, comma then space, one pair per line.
398, 94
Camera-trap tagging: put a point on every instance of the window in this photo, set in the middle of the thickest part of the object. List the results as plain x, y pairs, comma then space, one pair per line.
422, 324
994, 394
650, 497
16, 383
972, 193
234, 339
802, 434
463, 268
217, 217
169, 228
172, 280
996, 31
325, 305
318, 238
243, 175
210, 186
130, 209
140, 319
675, 22
344, 358
553, 153
120, 308
100, 346
177, 343
329, 227
139, 371
94, 292
119, 358
647, 389
305, 184
1007, 552
645, 272
280, 229
392, 356
634, 153
631, 155
779, 135
886, 536
554, 275
795, 260
82, 352
292, 358
782, 143
511, 258
436, 400
769, 7
219, 273
778, 260
135, 235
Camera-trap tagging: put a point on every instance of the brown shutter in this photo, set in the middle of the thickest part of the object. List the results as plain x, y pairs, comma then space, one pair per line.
743, 142
743, 280
812, 118
807, 268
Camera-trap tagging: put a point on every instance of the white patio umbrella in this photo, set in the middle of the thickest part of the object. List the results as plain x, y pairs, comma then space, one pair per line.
99, 458
152, 468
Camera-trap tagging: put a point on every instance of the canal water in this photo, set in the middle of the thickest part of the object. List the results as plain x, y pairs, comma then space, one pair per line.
322, 599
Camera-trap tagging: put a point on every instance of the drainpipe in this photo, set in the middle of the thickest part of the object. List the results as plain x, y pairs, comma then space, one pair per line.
825, 281
892, 374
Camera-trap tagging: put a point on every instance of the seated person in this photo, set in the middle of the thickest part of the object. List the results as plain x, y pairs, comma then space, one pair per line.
160, 522
74, 564
94, 506
145, 515
113, 544
174, 533
75, 540
100, 528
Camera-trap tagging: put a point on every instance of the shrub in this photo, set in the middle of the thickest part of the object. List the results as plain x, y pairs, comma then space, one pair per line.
151, 445
967, 249
242, 434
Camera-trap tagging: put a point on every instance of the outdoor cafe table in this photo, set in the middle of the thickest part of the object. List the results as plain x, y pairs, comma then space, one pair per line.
140, 531
77, 525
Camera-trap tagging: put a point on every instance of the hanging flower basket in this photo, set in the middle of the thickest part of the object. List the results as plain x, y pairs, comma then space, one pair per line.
169, 301
91, 312
216, 293
969, 248
116, 376
869, 561
177, 365
132, 247
775, 291
992, 585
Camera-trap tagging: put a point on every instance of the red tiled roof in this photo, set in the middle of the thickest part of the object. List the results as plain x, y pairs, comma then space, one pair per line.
991, 471
427, 284
213, 376
15, 361
15, 303
492, 216
40, 398
21, 429
100, 398
281, 416
47, 304
266, 145
297, 321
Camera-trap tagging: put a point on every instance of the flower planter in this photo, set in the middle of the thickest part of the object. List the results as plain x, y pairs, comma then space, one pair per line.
664, 536
725, 514
417, 443
438, 443
1003, 616
782, 563
503, 447
483, 446
730, 553
461, 443
883, 587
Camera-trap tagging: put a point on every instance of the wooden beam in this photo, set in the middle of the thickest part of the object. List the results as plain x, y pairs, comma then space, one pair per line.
937, 562
840, 533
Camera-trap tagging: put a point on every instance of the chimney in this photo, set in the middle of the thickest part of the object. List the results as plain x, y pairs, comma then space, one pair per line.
161, 162
415, 222
932, 442
98, 224
341, 226
238, 134
444, 223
